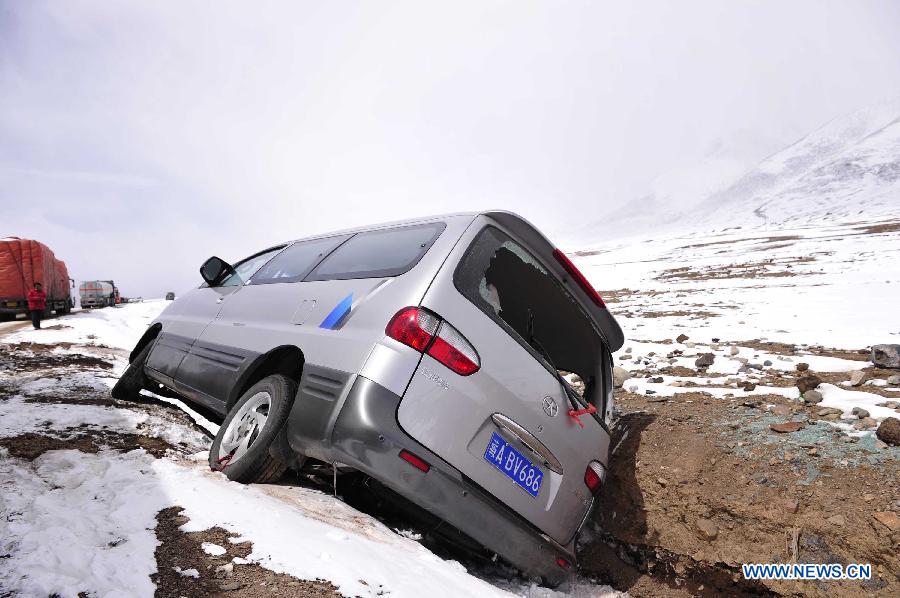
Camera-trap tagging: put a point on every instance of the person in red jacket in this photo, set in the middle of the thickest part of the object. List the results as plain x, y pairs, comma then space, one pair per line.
37, 303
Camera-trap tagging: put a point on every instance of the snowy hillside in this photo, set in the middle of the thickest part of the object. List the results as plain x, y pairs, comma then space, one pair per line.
849, 166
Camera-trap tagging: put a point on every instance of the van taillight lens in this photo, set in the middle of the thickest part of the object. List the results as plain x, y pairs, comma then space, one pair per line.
579, 278
414, 327
593, 476
426, 333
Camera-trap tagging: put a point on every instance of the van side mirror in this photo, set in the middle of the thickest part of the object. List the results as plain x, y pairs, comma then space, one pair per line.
215, 270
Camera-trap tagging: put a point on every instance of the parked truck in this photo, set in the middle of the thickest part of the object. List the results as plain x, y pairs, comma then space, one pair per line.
24, 262
98, 293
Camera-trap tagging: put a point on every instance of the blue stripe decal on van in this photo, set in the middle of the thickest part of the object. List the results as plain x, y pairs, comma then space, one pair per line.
338, 313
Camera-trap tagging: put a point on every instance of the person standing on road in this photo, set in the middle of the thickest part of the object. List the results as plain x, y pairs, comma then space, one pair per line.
37, 303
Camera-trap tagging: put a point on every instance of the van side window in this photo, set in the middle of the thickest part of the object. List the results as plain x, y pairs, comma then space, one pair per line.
245, 268
296, 261
387, 252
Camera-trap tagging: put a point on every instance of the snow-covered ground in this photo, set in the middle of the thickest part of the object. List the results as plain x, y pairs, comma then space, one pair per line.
74, 521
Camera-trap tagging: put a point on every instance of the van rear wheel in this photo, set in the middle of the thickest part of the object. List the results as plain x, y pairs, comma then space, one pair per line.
241, 447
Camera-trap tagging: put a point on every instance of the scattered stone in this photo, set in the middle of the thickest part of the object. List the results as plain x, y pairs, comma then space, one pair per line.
890, 404
889, 431
865, 423
767, 362
859, 412
802, 367
231, 586
807, 383
824, 411
773, 461
857, 378
812, 397
889, 519
755, 366
788, 456
681, 338
886, 356
662, 482
748, 386
782, 410
627, 349
620, 375
657, 380
715, 340
868, 497
812, 452
734, 350
690, 344
786, 427
705, 360
837, 520
894, 380
790, 506
708, 530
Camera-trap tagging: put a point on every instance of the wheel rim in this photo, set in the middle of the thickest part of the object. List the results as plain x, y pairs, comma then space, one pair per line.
245, 427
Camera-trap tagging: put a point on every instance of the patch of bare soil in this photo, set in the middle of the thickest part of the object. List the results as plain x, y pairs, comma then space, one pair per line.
875, 229
697, 486
30, 446
692, 315
794, 350
24, 357
764, 269
217, 575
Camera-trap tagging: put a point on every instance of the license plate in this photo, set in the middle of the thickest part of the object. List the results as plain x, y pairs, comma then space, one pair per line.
504, 457
11, 304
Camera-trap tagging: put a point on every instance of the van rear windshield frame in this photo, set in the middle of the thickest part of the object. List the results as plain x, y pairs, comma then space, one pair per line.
599, 400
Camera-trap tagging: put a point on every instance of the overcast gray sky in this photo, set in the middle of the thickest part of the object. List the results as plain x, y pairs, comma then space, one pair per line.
138, 138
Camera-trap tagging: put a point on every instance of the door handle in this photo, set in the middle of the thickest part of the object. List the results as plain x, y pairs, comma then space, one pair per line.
527, 438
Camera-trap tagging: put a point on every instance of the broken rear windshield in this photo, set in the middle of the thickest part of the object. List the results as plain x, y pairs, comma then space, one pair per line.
512, 287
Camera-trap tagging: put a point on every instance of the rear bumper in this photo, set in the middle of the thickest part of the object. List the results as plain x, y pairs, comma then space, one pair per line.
368, 437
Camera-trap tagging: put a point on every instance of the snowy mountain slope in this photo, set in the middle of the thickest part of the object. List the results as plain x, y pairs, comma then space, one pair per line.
848, 167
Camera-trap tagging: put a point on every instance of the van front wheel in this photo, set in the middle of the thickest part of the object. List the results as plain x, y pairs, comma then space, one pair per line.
241, 447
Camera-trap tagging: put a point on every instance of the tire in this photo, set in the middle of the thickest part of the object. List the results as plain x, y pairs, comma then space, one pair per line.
130, 383
241, 448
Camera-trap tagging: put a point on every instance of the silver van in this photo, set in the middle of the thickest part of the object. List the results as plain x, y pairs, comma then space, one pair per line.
461, 362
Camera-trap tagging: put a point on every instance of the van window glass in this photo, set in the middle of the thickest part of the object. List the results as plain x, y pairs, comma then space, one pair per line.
511, 286
296, 261
245, 268
388, 252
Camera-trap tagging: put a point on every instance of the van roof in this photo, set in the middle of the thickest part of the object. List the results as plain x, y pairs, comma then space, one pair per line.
537, 242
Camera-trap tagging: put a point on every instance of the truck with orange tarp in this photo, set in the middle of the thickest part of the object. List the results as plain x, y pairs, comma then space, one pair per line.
24, 262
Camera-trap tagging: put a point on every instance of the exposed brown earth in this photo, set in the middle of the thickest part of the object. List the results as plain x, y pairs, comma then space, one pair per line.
30, 446
698, 486
215, 577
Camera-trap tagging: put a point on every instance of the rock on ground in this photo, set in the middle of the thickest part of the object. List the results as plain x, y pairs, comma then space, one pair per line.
889, 431
620, 375
812, 397
705, 360
857, 378
807, 383
886, 356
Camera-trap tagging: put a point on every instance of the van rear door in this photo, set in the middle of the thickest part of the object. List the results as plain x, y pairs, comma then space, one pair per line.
506, 426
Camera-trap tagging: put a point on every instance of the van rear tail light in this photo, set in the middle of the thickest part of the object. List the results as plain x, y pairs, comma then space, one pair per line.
414, 327
594, 476
427, 333
415, 461
579, 278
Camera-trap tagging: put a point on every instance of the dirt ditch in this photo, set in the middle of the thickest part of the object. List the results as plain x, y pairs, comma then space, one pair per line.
698, 486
